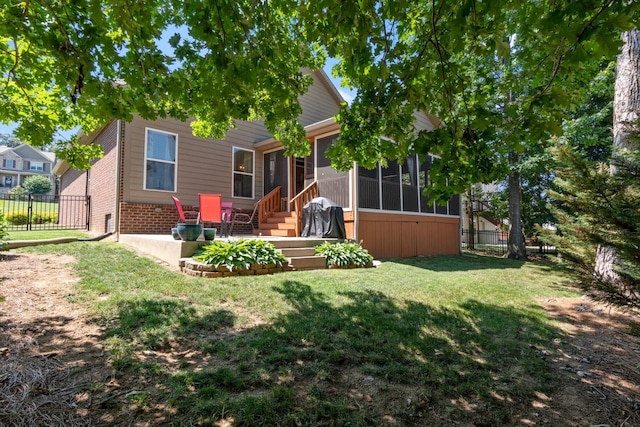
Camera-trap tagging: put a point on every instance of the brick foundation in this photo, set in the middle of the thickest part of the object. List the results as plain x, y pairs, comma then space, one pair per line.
148, 218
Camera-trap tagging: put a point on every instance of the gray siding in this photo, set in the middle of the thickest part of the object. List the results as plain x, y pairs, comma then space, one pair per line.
203, 166
320, 102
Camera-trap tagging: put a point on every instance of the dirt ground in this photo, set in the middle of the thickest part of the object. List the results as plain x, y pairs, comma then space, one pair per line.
54, 370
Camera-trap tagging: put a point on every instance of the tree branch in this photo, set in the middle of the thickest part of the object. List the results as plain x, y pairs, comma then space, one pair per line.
15, 63
68, 44
563, 54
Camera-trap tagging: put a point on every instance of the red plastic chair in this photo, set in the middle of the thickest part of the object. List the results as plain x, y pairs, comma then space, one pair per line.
210, 208
183, 214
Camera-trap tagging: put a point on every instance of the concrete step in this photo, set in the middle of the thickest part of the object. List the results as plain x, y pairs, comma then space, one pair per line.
298, 252
308, 263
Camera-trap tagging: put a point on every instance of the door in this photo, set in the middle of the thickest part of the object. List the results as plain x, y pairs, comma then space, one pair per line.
304, 171
276, 172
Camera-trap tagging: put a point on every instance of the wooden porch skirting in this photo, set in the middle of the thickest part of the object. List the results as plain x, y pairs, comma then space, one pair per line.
388, 235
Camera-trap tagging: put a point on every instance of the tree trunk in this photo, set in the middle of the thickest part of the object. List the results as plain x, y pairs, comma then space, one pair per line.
626, 111
515, 247
626, 100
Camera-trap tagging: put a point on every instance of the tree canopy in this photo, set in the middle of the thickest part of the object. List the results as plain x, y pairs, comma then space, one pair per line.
9, 140
85, 62
587, 130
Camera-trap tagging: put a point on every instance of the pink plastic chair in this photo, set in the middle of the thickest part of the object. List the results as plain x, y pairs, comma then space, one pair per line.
231, 216
227, 218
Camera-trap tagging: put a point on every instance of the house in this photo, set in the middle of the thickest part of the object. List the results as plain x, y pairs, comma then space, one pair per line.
146, 162
477, 220
18, 163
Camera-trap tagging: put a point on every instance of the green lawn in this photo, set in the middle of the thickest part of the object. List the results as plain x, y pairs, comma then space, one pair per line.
460, 337
22, 205
44, 234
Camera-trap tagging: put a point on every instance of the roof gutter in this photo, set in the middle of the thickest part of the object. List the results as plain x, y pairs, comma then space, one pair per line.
309, 128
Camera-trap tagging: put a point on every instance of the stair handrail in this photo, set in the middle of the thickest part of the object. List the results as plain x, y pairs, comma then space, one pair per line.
297, 203
268, 205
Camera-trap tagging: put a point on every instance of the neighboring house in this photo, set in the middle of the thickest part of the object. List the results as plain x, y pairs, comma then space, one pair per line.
20, 162
146, 162
486, 229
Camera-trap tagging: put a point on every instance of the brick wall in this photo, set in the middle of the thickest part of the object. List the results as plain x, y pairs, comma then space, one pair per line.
102, 184
73, 183
102, 181
146, 218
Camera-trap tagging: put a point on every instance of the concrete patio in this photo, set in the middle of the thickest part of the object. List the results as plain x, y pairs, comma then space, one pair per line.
299, 250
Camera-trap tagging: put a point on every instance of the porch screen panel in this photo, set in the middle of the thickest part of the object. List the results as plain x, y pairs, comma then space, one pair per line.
310, 167
332, 184
426, 204
368, 188
454, 205
442, 209
276, 172
410, 185
391, 186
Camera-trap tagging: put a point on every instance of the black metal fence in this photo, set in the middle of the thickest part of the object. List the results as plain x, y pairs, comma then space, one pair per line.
496, 242
36, 212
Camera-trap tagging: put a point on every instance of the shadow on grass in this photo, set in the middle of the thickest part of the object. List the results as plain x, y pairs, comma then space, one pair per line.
370, 361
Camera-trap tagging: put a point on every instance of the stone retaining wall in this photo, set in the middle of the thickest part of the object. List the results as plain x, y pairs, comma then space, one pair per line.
194, 268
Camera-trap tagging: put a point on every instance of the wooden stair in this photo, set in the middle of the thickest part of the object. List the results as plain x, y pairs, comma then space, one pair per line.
281, 224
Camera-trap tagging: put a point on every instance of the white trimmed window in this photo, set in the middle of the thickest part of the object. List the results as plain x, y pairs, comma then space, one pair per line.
160, 160
243, 176
36, 166
9, 163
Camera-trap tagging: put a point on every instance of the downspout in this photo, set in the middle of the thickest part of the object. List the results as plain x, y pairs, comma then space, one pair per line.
355, 202
116, 220
461, 225
87, 198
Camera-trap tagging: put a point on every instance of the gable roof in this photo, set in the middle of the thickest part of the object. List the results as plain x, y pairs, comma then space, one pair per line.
27, 152
326, 81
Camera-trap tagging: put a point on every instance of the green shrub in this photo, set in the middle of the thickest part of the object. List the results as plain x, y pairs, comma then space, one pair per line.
37, 184
239, 254
344, 254
44, 218
17, 217
20, 218
16, 192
